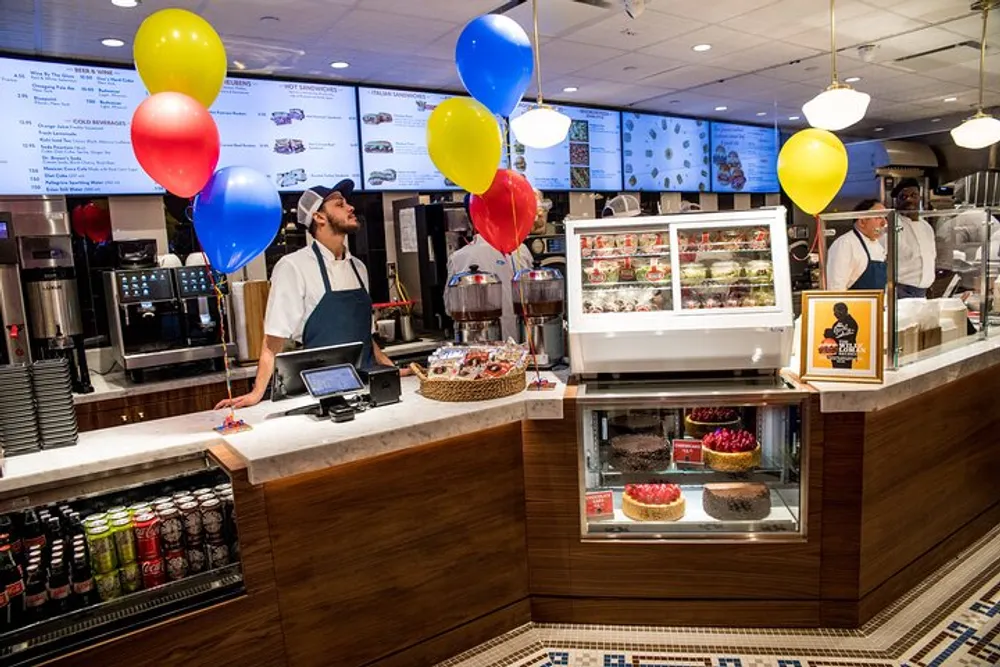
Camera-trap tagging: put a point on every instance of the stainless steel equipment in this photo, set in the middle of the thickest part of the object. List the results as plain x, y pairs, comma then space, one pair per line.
539, 297
12, 316
474, 299
45, 249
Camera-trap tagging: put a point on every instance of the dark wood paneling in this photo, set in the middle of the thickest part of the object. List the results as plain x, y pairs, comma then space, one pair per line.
461, 639
843, 466
377, 556
155, 405
629, 611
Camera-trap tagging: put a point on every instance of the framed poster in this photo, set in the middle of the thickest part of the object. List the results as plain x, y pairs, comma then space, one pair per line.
842, 336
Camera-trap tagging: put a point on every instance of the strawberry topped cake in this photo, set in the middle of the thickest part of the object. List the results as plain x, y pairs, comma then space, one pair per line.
729, 450
653, 502
699, 422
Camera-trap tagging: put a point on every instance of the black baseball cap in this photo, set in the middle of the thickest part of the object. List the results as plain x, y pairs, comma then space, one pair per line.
313, 198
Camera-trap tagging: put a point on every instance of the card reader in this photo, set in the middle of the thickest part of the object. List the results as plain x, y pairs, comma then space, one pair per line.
330, 384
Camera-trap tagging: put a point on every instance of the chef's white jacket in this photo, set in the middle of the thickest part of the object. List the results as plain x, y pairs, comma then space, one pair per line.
490, 260
916, 253
846, 260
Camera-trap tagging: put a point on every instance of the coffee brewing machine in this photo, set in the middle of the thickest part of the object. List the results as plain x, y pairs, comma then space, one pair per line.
539, 296
15, 349
45, 250
474, 300
163, 317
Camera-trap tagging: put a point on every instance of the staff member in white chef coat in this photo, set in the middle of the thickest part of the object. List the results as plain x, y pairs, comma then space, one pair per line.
487, 258
319, 294
916, 250
856, 259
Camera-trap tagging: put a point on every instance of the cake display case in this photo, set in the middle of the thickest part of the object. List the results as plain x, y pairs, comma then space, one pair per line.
688, 292
718, 459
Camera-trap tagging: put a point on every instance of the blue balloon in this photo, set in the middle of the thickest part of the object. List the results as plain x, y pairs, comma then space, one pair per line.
236, 216
494, 60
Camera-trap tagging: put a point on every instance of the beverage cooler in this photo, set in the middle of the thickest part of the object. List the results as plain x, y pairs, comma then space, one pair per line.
96, 558
679, 328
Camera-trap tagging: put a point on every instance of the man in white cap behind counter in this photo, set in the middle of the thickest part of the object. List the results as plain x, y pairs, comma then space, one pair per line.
319, 294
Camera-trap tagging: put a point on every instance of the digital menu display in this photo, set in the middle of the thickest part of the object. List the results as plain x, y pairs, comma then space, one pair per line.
663, 153
744, 158
66, 130
590, 158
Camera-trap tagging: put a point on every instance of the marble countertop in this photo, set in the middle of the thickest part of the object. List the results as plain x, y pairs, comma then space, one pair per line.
279, 445
910, 380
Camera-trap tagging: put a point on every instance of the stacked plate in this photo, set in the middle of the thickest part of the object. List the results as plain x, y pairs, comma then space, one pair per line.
18, 419
54, 400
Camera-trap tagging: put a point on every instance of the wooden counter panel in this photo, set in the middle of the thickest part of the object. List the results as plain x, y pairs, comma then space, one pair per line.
931, 465
842, 469
377, 556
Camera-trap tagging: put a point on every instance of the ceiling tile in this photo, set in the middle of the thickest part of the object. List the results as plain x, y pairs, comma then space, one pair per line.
557, 17
690, 76
620, 32
714, 11
788, 17
724, 41
629, 67
931, 11
562, 57
870, 26
765, 56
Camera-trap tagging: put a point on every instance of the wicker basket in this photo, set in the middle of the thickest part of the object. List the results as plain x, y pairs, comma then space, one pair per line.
460, 391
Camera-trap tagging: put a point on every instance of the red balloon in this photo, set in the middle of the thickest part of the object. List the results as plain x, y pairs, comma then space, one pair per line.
176, 142
504, 214
91, 221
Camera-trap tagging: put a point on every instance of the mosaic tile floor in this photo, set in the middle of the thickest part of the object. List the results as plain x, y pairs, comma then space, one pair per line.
951, 619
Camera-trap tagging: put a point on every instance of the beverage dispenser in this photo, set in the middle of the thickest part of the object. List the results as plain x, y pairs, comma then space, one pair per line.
474, 300
539, 297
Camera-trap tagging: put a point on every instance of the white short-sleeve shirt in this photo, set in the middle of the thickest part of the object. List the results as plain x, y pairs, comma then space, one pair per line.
847, 261
297, 287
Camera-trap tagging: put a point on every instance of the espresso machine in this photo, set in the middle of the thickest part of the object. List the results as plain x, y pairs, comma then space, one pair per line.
45, 250
539, 296
474, 300
15, 349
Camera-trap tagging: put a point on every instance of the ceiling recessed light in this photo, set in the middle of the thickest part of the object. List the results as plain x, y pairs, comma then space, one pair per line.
127, 4
951, 99
113, 42
239, 65
879, 129
721, 108
700, 48
340, 64
794, 117
761, 113
570, 89
852, 79
935, 120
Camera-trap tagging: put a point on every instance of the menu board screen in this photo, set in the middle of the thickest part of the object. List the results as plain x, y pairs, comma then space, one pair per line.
590, 158
744, 158
65, 129
663, 153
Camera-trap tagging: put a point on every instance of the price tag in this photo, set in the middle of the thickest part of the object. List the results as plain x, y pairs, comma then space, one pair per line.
600, 504
687, 451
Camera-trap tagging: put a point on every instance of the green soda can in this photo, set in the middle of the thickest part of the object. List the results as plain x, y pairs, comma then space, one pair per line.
131, 577
109, 587
94, 518
139, 508
124, 536
116, 516
102, 547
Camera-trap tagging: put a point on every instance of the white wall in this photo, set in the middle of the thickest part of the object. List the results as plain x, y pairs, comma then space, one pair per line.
135, 218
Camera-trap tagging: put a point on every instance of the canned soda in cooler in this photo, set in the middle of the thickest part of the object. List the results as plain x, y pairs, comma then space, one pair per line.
147, 536
200, 492
95, 518
109, 586
124, 536
131, 577
153, 573
217, 552
162, 499
171, 529
160, 508
195, 559
192, 522
223, 488
102, 547
117, 516
177, 564
116, 509
212, 517
183, 499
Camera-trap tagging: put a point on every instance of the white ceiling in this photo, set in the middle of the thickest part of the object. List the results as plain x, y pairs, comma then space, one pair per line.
646, 63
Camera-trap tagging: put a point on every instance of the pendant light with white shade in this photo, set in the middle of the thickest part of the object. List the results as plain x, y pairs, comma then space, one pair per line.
839, 106
982, 129
541, 126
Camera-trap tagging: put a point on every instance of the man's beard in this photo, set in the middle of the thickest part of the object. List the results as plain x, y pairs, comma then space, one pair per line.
348, 227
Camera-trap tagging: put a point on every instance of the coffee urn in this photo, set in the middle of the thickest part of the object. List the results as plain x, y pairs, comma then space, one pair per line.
539, 294
474, 300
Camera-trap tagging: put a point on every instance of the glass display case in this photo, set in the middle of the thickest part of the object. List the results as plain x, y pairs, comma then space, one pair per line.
716, 459
706, 292
99, 558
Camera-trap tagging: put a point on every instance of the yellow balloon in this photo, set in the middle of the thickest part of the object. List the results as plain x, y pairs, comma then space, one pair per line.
180, 52
464, 141
812, 167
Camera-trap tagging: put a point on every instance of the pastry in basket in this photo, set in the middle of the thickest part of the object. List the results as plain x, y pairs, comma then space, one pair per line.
729, 450
750, 501
496, 369
701, 421
653, 502
640, 452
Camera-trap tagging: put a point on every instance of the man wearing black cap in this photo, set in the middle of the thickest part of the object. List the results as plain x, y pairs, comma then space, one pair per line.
319, 294
916, 250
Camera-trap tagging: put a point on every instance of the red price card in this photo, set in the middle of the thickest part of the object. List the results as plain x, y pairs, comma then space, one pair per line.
687, 451
600, 505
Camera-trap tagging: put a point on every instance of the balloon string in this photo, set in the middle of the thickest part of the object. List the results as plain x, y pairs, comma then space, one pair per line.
821, 248
217, 287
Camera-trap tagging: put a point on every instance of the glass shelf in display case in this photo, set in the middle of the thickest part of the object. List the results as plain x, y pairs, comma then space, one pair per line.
716, 459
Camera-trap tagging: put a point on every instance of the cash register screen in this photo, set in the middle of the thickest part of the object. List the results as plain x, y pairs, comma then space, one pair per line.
332, 381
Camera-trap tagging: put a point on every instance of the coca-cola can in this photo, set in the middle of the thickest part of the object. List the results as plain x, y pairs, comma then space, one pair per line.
177, 564
195, 559
218, 554
153, 573
202, 491
212, 516
147, 536
192, 522
184, 499
171, 529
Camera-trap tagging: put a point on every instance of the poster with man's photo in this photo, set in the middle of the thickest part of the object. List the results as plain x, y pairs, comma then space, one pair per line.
842, 336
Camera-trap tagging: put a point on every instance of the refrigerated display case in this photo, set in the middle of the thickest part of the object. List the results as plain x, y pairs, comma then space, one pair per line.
718, 458
689, 292
155, 542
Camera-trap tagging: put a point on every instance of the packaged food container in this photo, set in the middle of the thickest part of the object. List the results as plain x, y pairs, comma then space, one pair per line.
726, 271
694, 273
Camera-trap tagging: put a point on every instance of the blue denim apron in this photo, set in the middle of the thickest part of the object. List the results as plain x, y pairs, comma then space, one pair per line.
340, 317
876, 274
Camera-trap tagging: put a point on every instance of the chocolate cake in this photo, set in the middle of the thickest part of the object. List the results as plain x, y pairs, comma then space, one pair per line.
640, 452
738, 501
